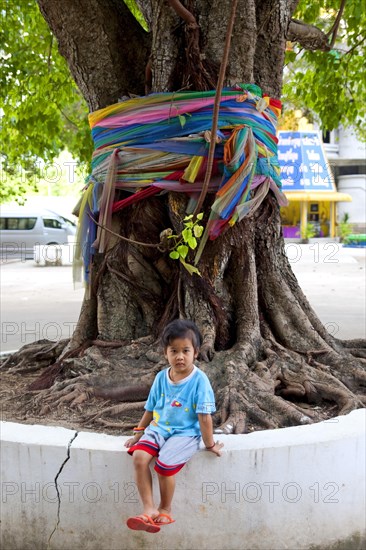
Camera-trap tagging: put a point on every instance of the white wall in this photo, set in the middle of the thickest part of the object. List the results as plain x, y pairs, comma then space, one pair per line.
355, 186
349, 146
289, 488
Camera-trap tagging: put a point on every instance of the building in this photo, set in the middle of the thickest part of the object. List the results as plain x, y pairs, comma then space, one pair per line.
323, 181
347, 157
308, 183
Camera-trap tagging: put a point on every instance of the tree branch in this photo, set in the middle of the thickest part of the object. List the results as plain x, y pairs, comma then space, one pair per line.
185, 14
196, 74
121, 237
355, 46
333, 31
308, 36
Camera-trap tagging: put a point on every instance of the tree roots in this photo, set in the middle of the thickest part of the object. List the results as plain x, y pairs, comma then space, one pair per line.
106, 388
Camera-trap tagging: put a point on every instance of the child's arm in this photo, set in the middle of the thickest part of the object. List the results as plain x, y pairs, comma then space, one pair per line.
144, 422
205, 421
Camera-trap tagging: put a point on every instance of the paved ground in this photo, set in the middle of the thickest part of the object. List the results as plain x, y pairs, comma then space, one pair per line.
40, 302
36, 302
333, 279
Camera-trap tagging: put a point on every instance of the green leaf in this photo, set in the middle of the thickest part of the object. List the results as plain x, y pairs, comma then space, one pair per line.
174, 255
290, 56
182, 120
134, 9
43, 112
329, 84
192, 243
198, 230
182, 250
190, 268
187, 234
187, 218
200, 216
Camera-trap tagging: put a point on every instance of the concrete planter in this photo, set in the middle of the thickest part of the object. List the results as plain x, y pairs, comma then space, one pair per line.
301, 487
53, 254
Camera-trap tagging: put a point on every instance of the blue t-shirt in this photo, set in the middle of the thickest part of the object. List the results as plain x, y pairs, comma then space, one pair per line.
175, 406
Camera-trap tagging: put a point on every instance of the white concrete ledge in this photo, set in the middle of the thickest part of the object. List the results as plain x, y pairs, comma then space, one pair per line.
300, 487
53, 254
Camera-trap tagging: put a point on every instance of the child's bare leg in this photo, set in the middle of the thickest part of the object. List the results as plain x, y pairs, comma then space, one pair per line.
167, 488
141, 462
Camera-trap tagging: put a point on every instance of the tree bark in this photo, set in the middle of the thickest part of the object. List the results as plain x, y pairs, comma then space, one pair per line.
308, 36
270, 355
101, 42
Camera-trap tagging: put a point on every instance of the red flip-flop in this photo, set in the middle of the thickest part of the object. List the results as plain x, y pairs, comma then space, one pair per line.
138, 523
169, 519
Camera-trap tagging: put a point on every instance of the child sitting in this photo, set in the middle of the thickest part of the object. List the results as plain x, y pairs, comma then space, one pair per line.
177, 414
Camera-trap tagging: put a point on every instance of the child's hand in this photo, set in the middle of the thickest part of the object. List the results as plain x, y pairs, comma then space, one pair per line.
216, 449
132, 441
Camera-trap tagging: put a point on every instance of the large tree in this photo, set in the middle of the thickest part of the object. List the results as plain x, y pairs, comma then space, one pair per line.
265, 350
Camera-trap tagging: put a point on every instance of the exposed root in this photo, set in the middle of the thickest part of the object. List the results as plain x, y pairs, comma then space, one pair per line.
286, 389
359, 343
345, 400
115, 410
103, 344
283, 388
234, 424
35, 356
65, 392
358, 352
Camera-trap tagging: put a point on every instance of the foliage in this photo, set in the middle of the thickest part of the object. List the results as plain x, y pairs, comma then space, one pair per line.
187, 240
344, 227
42, 112
331, 84
308, 232
61, 178
9, 183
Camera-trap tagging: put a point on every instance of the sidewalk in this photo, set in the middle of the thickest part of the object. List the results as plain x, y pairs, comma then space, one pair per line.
36, 303
333, 279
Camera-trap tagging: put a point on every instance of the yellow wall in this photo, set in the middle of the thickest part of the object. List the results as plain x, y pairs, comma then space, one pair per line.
290, 215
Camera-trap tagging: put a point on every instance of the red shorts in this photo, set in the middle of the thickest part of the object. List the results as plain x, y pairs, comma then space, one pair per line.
172, 453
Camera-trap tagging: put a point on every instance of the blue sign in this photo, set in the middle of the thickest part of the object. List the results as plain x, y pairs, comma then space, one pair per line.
304, 166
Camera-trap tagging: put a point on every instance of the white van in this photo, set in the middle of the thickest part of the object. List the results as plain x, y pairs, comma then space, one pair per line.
21, 229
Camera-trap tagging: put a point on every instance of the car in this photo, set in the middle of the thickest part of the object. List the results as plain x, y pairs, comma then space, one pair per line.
70, 226
22, 228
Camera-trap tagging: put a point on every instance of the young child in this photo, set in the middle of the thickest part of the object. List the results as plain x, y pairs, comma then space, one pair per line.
177, 413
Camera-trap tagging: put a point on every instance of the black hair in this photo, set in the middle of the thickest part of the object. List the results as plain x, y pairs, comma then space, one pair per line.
181, 328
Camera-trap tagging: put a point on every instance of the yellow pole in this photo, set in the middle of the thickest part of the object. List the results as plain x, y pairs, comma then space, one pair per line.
332, 219
303, 217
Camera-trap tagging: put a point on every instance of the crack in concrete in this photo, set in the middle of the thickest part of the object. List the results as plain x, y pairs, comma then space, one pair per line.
57, 489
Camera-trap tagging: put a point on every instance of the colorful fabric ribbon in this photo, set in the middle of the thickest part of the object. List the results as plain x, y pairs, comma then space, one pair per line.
160, 142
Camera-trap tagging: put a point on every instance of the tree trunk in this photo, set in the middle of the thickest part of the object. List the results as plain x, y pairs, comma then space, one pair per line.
269, 357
